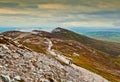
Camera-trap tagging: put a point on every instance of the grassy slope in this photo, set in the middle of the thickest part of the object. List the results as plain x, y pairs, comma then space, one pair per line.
112, 39
86, 61
108, 47
97, 62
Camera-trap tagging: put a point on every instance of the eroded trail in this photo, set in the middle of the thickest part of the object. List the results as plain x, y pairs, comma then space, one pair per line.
85, 75
57, 55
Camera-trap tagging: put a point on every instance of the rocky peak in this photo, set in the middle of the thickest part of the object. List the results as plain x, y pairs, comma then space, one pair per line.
58, 29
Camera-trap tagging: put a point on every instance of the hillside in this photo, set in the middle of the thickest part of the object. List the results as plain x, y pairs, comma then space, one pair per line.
68, 53
108, 47
19, 63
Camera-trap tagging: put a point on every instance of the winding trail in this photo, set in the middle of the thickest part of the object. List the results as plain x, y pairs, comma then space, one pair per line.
57, 55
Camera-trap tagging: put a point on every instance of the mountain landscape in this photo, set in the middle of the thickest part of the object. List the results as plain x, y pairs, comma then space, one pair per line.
57, 56
59, 40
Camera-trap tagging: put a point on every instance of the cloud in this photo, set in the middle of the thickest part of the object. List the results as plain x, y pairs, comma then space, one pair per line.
59, 12
52, 6
89, 24
11, 11
8, 4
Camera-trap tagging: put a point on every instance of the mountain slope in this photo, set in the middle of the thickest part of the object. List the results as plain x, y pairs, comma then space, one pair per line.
110, 48
19, 63
69, 52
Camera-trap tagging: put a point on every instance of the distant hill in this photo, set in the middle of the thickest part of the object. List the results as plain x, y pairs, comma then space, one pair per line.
106, 34
109, 36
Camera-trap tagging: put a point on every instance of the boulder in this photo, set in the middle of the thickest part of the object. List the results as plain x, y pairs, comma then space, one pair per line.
5, 78
18, 78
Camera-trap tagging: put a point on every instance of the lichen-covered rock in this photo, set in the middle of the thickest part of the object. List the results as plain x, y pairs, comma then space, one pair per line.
17, 78
1, 54
5, 78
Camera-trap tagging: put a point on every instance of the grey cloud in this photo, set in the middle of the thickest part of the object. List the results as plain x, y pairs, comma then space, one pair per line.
8, 4
104, 12
109, 14
64, 15
19, 15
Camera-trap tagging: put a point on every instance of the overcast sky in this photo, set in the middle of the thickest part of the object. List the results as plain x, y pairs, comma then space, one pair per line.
60, 13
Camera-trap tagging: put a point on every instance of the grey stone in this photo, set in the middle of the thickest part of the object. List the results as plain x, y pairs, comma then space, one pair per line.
6, 78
